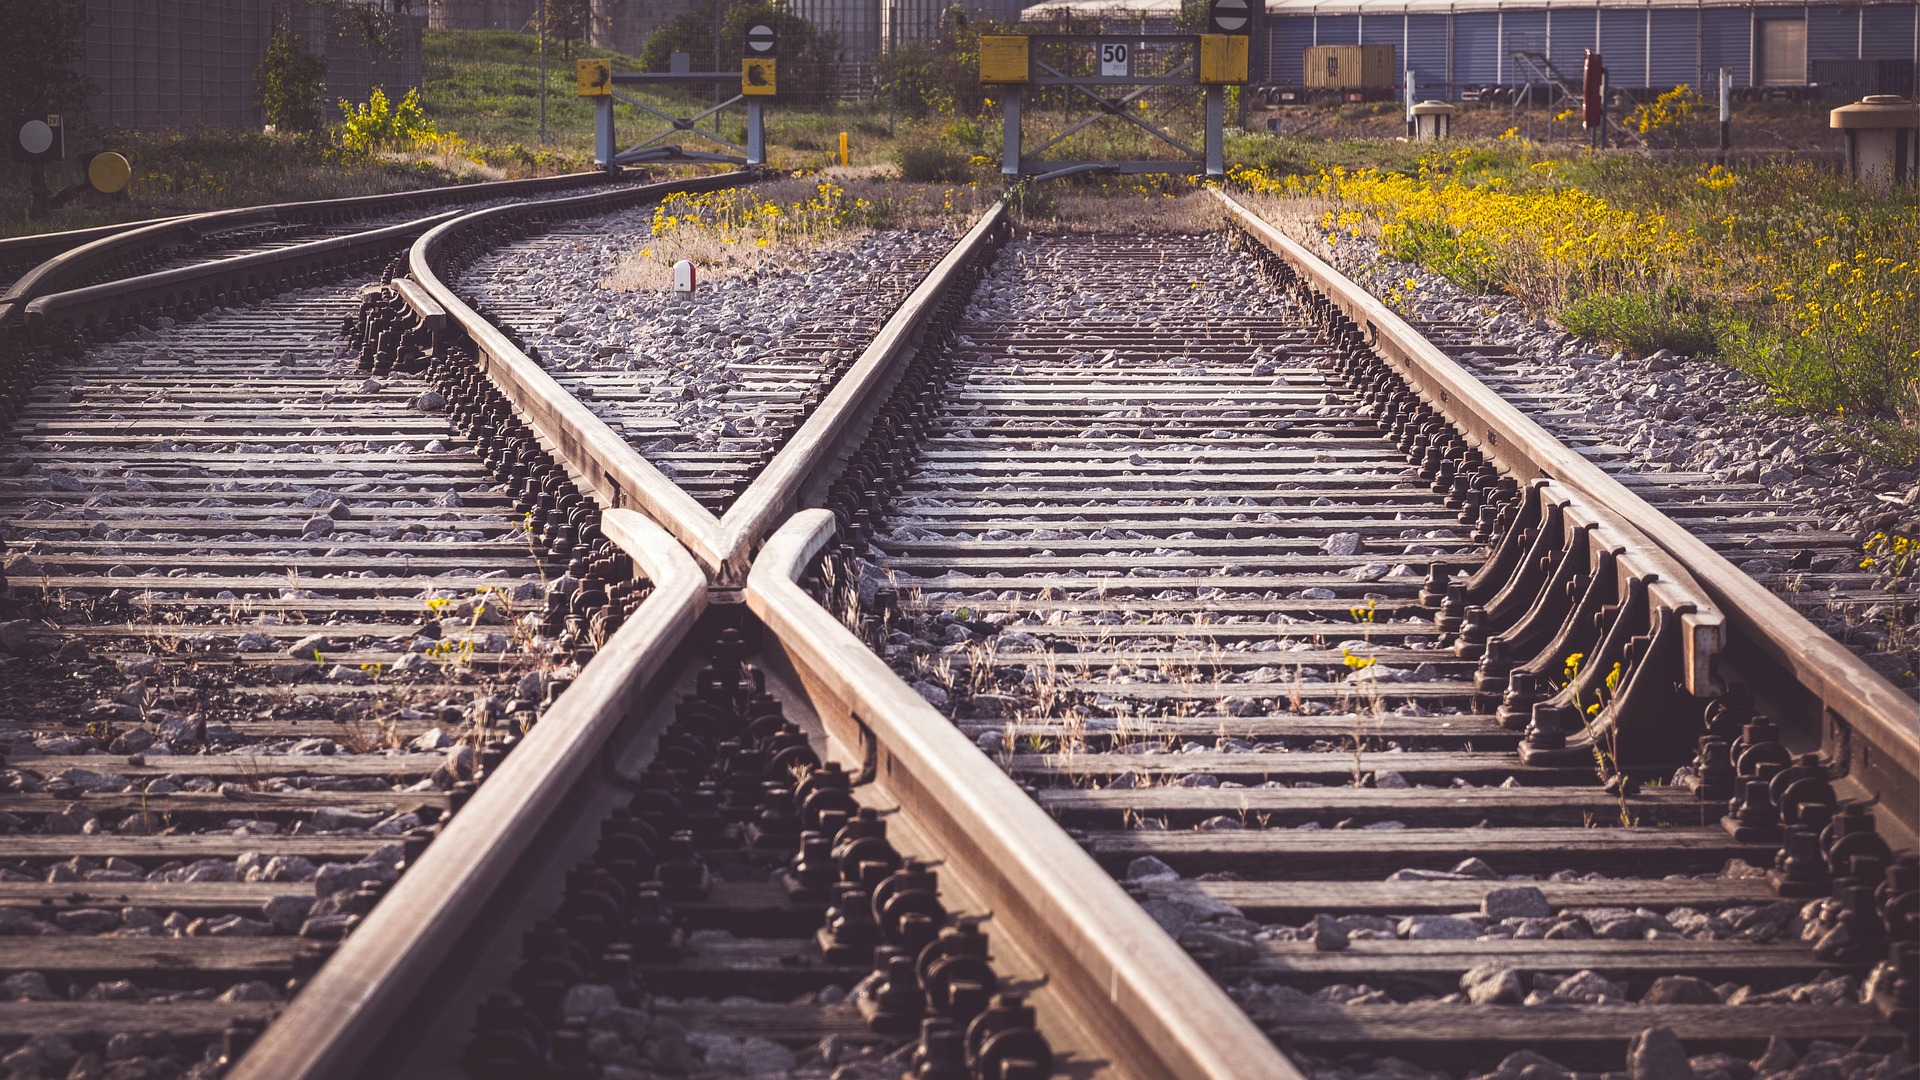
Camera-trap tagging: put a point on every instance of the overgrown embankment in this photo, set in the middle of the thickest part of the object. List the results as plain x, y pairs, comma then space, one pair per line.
1788, 272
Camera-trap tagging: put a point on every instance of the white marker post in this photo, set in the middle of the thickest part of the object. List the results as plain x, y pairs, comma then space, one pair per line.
1410, 100
1726, 113
685, 281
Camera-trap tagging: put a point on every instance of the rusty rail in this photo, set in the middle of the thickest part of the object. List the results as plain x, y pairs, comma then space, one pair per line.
1866, 724
1113, 972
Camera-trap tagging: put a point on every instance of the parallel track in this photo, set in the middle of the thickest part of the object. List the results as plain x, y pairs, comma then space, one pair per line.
1171, 571
1162, 555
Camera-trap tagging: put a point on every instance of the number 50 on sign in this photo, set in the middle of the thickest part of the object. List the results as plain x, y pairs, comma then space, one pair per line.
1116, 59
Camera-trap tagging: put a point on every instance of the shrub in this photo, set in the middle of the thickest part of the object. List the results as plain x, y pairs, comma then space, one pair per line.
1642, 323
288, 82
930, 160
377, 126
1667, 119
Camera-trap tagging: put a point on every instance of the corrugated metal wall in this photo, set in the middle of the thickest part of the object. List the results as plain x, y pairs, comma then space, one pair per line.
1476, 48
481, 14
181, 64
1623, 41
1336, 30
1519, 30
1426, 53
1289, 40
1889, 33
1726, 41
1385, 30
1676, 51
1833, 34
1573, 34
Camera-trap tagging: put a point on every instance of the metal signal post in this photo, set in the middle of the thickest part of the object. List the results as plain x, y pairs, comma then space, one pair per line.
757, 80
1213, 60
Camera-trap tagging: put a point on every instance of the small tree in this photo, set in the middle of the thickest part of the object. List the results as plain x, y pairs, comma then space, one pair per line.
46, 40
289, 81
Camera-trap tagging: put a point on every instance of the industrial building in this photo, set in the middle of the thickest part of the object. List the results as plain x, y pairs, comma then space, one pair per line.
1838, 51
1833, 51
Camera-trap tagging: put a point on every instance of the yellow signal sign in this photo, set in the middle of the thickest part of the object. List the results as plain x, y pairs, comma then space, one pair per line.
757, 77
1003, 58
1223, 59
595, 77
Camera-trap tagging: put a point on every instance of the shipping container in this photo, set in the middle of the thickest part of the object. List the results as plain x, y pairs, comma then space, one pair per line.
1349, 67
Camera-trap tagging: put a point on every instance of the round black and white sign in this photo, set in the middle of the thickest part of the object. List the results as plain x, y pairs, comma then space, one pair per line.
1230, 16
760, 38
35, 137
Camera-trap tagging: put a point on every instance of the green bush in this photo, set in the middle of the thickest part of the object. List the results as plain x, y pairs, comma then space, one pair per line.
288, 82
931, 160
377, 126
1643, 323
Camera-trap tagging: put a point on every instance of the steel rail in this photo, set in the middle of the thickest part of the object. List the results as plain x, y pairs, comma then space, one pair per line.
838, 422
90, 249
1870, 727
605, 464
344, 1013
1121, 977
131, 297
27, 252
617, 474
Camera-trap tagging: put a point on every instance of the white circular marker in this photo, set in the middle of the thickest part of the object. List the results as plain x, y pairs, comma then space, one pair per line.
1230, 15
760, 37
35, 136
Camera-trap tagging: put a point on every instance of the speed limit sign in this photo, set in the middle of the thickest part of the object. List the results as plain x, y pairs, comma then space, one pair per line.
1116, 59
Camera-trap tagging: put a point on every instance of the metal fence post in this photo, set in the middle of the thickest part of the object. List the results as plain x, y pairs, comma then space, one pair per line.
1010, 148
603, 147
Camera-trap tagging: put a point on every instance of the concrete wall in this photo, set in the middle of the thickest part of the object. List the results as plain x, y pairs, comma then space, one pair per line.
182, 64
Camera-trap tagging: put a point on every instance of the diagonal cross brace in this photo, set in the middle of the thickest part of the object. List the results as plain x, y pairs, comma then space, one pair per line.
682, 124
1118, 108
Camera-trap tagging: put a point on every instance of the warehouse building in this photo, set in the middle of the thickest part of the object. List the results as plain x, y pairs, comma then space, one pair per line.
1837, 51
1833, 51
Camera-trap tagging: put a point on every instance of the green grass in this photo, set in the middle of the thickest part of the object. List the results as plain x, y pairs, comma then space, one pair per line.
191, 173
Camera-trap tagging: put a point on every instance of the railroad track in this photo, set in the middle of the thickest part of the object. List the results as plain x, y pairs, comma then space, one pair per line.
1297, 657
270, 626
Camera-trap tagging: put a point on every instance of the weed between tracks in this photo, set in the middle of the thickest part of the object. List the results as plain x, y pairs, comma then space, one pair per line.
784, 224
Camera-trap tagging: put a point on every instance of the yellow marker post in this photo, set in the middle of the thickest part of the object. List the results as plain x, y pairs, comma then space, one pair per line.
843, 148
757, 78
593, 77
